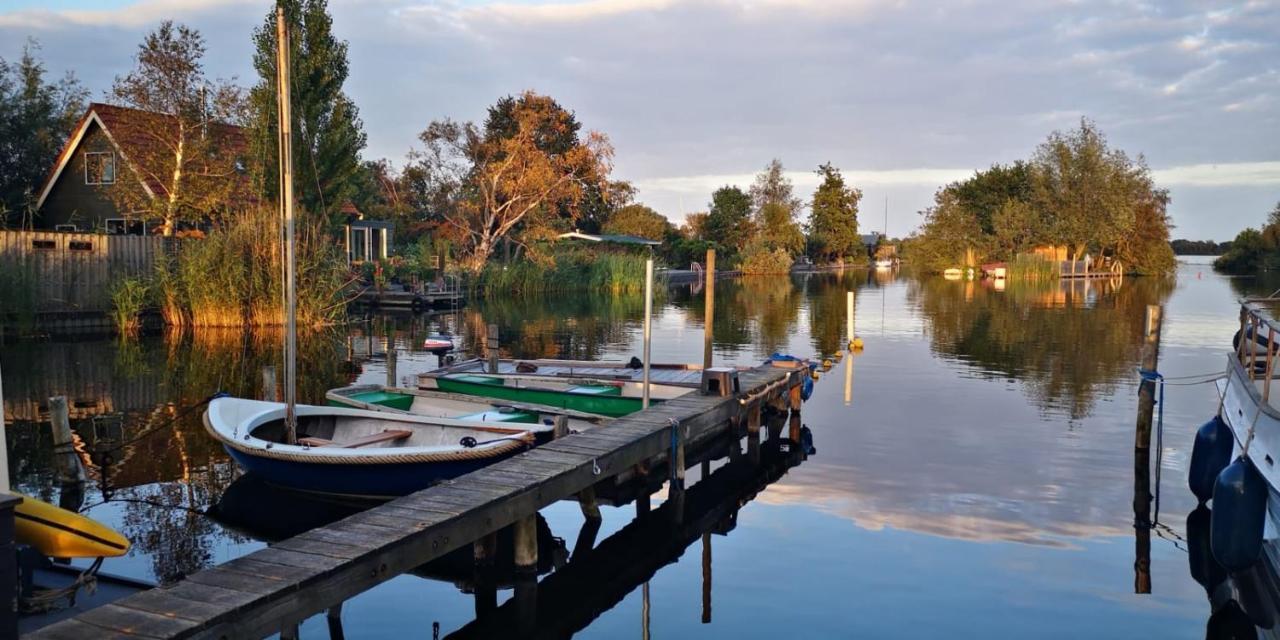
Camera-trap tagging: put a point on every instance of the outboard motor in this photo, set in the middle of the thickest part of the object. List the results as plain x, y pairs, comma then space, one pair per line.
1210, 454
1239, 515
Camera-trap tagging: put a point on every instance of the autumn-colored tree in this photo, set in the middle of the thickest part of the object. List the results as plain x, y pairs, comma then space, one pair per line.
833, 216
507, 185
776, 208
695, 226
640, 221
186, 160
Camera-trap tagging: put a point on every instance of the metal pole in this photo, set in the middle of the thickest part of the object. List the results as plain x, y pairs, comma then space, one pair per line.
290, 260
648, 326
4, 446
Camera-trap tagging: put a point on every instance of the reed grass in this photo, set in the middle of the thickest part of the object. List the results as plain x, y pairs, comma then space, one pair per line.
235, 276
1031, 268
577, 270
129, 296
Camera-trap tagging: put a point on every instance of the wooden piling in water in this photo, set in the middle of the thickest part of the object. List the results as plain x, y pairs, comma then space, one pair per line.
66, 463
392, 356
709, 312
491, 347
1147, 388
525, 538
269, 392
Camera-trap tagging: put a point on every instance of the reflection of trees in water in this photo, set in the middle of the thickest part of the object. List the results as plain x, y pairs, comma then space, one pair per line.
760, 310
575, 325
827, 302
1068, 342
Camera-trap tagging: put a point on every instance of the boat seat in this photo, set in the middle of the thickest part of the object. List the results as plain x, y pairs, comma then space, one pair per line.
388, 435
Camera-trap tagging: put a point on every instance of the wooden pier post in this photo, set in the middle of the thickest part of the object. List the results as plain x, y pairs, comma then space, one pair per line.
706, 578
491, 347
392, 356
269, 392
709, 312
484, 549
1147, 388
587, 501
753, 432
675, 492
333, 618
525, 538
64, 456
793, 431
560, 427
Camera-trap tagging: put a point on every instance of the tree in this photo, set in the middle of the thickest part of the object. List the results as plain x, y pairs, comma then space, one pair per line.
488, 188
775, 210
327, 132
640, 221
1088, 193
989, 191
185, 159
695, 226
729, 219
36, 117
1016, 228
833, 217
951, 235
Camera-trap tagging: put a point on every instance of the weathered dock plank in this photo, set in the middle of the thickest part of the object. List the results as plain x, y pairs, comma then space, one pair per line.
272, 588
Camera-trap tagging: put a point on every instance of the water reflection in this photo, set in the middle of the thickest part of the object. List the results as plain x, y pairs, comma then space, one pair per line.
1067, 341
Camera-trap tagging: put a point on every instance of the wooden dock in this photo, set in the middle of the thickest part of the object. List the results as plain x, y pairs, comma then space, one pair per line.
273, 589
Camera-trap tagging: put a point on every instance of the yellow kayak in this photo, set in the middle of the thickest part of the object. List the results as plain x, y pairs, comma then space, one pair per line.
58, 533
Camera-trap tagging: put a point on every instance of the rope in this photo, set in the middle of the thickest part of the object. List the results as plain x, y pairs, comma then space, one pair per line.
44, 600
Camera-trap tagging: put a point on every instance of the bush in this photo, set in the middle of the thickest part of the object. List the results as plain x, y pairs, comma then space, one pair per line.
758, 260
128, 299
567, 270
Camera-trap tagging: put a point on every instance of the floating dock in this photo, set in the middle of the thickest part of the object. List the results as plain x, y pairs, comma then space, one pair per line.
274, 589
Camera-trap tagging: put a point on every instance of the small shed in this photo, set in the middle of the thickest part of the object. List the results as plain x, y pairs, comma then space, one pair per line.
365, 239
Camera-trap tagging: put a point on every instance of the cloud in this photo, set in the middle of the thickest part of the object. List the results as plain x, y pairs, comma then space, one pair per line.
1238, 174
693, 92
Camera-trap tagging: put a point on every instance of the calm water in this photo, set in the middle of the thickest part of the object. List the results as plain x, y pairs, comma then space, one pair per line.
973, 473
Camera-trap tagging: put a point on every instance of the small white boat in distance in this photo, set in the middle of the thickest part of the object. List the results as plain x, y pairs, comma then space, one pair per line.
358, 452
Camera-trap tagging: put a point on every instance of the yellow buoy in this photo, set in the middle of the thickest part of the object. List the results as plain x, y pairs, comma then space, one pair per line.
815, 374
826, 364
855, 344
59, 533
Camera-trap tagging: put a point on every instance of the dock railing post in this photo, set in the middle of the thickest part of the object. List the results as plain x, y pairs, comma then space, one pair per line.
64, 456
709, 312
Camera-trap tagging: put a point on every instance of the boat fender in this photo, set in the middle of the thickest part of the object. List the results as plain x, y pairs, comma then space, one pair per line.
1204, 569
1239, 514
1255, 593
1230, 622
1210, 454
806, 389
468, 442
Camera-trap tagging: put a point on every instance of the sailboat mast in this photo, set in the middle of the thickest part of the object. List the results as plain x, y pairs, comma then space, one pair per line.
286, 197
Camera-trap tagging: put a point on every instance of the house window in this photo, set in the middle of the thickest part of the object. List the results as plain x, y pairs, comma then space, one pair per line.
125, 227
99, 167
379, 243
65, 227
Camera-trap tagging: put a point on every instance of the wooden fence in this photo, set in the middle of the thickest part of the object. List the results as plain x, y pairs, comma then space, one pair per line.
73, 272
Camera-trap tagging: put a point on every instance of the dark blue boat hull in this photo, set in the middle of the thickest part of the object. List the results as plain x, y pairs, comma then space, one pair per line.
373, 480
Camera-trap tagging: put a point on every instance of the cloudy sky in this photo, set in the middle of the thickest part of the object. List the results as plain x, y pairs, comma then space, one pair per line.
903, 96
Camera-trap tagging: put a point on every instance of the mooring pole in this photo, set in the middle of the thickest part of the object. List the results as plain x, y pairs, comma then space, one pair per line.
290, 259
1147, 388
648, 327
64, 456
848, 319
848, 382
706, 578
269, 391
392, 356
1142, 452
710, 311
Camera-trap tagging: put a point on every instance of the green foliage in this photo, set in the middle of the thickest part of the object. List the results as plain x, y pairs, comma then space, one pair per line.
327, 133
680, 252
1075, 192
568, 270
833, 219
775, 210
759, 259
728, 222
640, 221
129, 297
36, 116
1253, 250
1184, 247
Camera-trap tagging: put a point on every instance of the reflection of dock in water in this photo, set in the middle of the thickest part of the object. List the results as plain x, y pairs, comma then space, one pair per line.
596, 579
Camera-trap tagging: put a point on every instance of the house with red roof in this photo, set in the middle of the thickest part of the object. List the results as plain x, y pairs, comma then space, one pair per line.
116, 148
